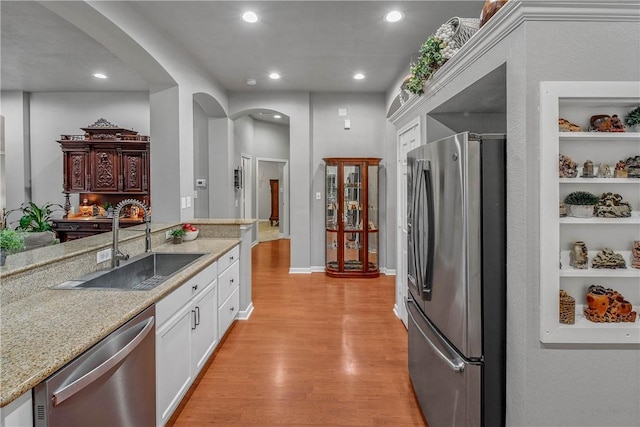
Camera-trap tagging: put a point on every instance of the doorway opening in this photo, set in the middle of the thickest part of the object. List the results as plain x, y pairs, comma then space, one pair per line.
272, 192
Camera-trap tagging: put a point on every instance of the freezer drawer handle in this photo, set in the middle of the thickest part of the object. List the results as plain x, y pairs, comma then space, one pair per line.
457, 366
64, 393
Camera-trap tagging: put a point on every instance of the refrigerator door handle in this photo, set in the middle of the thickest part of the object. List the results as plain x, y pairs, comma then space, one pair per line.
455, 365
427, 283
412, 228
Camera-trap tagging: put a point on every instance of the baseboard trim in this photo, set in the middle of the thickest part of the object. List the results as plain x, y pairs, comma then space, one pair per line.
293, 270
245, 314
388, 271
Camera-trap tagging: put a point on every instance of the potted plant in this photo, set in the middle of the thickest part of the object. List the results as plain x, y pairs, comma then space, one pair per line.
632, 120
428, 62
10, 241
37, 222
178, 235
581, 203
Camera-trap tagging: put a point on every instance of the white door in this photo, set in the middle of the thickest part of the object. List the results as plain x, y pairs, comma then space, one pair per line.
408, 139
247, 188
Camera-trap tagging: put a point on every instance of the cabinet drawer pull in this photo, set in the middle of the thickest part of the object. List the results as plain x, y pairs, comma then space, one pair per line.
194, 324
231, 281
232, 308
231, 258
194, 287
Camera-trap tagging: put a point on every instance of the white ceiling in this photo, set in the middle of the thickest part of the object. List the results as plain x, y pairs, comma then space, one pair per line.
314, 45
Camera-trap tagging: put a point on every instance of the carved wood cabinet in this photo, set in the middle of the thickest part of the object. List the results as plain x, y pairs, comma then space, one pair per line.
107, 164
106, 159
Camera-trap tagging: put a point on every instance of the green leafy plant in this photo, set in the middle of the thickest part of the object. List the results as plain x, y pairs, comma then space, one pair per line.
428, 62
581, 198
11, 241
178, 232
36, 218
633, 117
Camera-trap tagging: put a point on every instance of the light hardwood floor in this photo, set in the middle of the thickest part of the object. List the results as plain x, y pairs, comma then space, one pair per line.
317, 351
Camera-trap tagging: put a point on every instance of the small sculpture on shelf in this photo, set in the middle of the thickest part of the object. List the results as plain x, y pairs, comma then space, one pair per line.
612, 206
563, 210
633, 167
635, 254
608, 258
567, 168
604, 171
607, 305
566, 126
579, 257
587, 170
621, 170
605, 123
567, 308
632, 119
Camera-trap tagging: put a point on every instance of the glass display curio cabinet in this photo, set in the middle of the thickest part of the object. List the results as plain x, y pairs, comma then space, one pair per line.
352, 217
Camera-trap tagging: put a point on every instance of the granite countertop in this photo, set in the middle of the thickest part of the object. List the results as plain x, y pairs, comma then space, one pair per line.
46, 330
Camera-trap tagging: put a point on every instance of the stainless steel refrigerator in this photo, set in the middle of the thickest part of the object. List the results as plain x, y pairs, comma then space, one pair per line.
457, 279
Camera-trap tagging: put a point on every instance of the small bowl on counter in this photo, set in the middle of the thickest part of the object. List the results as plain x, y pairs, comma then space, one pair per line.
190, 235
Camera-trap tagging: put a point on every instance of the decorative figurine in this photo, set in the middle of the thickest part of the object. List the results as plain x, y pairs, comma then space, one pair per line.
633, 167
621, 170
579, 257
607, 258
567, 168
607, 305
604, 171
581, 203
635, 254
587, 170
605, 123
567, 308
612, 206
567, 126
563, 210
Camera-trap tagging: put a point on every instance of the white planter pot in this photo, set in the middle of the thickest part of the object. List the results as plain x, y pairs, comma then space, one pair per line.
581, 211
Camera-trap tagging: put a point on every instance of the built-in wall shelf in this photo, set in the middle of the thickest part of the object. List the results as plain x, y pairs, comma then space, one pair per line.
577, 102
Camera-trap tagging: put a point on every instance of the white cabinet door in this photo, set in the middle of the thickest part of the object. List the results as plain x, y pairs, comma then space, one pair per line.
173, 364
228, 312
205, 334
18, 413
408, 139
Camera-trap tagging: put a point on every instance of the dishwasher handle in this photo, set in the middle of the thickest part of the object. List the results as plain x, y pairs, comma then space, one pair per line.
68, 391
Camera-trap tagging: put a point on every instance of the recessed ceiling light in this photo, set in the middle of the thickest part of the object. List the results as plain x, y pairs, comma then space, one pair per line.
251, 82
394, 16
358, 76
250, 17
99, 76
277, 116
274, 76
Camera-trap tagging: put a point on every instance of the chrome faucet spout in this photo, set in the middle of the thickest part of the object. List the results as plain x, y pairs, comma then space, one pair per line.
116, 254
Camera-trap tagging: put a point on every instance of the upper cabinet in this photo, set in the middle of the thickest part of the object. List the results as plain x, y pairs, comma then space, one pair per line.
579, 160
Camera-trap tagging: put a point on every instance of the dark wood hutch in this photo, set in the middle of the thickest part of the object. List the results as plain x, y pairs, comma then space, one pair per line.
103, 166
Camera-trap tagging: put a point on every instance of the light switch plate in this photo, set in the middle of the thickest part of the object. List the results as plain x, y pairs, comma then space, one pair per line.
318, 196
188, 201
183, 202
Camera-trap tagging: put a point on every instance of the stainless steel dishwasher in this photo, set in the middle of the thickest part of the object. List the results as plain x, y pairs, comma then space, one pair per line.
111, 384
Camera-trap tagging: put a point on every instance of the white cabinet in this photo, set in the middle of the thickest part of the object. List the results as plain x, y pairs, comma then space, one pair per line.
577, 102
18, 413
205, 326
186, 335
229, 292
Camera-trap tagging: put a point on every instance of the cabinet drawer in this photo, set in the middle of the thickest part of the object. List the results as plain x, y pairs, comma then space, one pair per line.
169, 305
228, 281
227, 312
229, 258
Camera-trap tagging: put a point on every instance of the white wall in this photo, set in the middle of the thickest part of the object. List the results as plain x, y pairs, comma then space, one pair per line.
15, 109
200, 160
365, 138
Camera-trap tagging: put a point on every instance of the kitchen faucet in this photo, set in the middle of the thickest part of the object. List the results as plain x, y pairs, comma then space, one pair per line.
116, 254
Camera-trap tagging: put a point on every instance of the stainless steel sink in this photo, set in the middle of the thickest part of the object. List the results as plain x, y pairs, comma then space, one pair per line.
141, 273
